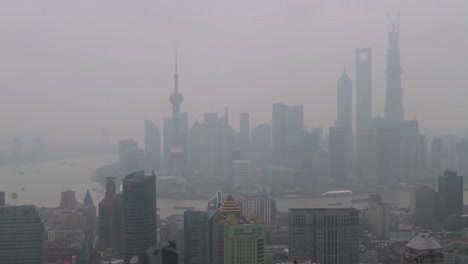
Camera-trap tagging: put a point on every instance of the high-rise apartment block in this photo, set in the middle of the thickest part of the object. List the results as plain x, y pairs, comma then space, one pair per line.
195, 237
324, 235
139, 213
21, 235
423, 206
450, 194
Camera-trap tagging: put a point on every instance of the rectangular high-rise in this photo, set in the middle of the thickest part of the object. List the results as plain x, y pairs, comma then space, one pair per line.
363, 88
423, 206
261, 145
195, 237
287, 134
244, 135
323, 235
152, 147
139, 213
260, 206
21, 235
344, 118
450, 194
110, 224
242, 172
244, 243
337, 146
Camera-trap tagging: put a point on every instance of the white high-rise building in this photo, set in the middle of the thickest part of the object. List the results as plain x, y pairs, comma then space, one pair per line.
242, 170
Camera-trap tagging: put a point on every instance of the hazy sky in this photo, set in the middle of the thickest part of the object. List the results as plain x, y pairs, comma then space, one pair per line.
70, 68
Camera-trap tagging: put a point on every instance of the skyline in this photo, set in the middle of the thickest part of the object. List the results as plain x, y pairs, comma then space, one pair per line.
122, 86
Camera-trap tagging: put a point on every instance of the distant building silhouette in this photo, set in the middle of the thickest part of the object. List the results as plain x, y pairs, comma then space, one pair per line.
394, 113
324, 235
21, 235
367, 151
132, 158
345, 112
261, 145
379, 217
242, 171
262, 207
244, 136
139, 213
450, 194
152, 147
287, 135
337, 146
363, 88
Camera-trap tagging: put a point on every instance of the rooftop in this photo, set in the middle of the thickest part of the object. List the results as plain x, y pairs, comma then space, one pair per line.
424, 241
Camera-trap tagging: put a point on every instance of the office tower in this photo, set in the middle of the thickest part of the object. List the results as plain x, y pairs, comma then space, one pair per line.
345, 111
287, 133
184, 137
437, 157
450, 194
423, 248
167, 138
321, 165
227, 214
195, 237
245, 243
379, 217
242, 170
132, 158
462, 156
324, 235
394, 93
90, 211
244, 136
139, 213
367, 153
22, 235
68, 200
211, 145
170, 254
212, 215
111, 218
413, 152
363, 88
260, 207
449, 144
337, 154
16, 151
423, 206
2, 198
261, 145
152, 147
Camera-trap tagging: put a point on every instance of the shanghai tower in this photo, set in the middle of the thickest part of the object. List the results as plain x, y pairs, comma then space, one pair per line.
394, 94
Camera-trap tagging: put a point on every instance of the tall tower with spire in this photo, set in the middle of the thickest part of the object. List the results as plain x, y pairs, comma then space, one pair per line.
394, 95
176, 98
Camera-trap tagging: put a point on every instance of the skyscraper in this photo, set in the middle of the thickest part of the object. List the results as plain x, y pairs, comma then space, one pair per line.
367, 155
177, 154
139, 213
110, 225
195, 237
363, 88
324, 235
260, 207
167, 138
337, 142
450, 194
423, 206
345, 111
21, 235
242, 172
287, 134
244, 135
68, 200
152, 147
437, 157
132, 158
379, 217
394, 113
261, 145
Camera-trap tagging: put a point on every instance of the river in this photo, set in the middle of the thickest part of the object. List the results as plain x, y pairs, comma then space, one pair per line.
44, 182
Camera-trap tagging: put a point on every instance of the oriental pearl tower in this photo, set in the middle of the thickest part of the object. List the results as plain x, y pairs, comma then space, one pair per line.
176, 98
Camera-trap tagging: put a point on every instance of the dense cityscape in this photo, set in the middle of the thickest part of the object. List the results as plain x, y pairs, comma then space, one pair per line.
239, 187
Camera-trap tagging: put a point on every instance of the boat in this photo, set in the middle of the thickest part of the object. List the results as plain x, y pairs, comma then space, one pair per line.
338, 193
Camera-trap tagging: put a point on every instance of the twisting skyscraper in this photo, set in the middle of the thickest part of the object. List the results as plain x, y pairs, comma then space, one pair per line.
394, 96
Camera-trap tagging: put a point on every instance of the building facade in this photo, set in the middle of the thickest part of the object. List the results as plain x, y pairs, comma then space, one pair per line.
195, 237
423, 206
139, 213
450, 194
